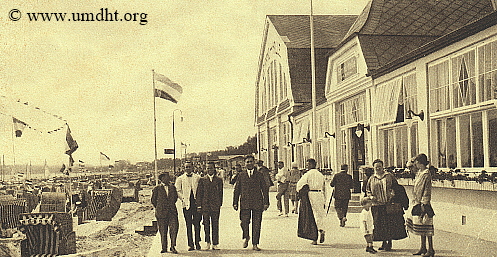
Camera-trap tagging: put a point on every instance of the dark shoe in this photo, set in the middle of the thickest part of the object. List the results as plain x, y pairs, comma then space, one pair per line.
163, 251
314, 242
430, 253
321, 237
191, 248
245, 243
173, 250
370, 249
388, 247
198, 247
256, 248
420, 252
383, 245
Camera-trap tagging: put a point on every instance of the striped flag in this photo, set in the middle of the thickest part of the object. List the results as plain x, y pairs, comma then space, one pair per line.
18, 127
167, 89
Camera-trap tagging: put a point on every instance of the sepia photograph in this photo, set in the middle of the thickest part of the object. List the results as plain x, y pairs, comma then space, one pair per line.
248, 128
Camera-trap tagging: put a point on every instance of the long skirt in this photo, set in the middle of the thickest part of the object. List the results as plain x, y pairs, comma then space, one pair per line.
387, 226
420, 225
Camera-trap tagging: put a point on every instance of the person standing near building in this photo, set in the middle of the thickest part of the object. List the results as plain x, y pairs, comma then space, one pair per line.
293, 177
366, 223
315, 180
251, 196
380, 190
342, 182
187, 185
209, 201
421, 222
282, 178
164, 197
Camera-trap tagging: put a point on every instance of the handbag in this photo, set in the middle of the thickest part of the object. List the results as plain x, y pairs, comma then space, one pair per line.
394, 208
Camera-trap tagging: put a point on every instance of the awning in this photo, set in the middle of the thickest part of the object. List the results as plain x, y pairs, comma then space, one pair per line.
386, 101
301, 130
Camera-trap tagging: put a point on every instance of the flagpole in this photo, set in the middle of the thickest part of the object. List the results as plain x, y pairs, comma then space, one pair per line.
155, 133
13, 149
313, 82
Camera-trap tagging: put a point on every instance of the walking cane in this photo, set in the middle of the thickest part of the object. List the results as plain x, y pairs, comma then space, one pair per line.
331, 198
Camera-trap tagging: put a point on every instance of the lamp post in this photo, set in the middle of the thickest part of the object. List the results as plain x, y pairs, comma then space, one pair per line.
174, 141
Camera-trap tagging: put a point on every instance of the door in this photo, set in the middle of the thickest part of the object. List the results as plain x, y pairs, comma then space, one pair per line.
358, 155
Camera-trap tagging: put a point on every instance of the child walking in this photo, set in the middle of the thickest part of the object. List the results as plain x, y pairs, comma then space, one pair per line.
366, 223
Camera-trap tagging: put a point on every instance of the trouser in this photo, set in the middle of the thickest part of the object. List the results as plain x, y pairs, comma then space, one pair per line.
283, 191
317, 204
211, 223
192, 218
171, 224
256, 216
341, 206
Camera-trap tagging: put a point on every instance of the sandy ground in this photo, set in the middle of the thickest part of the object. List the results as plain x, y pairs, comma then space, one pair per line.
117, 237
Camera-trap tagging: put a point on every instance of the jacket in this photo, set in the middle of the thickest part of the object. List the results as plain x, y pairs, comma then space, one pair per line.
342, 182
210, 194
251, 192
165, 205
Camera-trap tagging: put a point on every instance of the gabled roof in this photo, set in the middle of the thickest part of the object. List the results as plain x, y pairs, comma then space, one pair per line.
388, 29
329, 30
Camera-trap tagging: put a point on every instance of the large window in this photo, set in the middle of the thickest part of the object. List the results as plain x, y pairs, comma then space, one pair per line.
464, 130
398, 145
463, 78
492, 131
352, 110
347, 69
487, 66
438, 80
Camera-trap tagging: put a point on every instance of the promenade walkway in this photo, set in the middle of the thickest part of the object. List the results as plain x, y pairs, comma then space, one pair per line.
279, 238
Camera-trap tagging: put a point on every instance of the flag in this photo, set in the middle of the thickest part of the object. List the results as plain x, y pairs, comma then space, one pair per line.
71, 161
18, 127
105, 156
167, 89
71, 144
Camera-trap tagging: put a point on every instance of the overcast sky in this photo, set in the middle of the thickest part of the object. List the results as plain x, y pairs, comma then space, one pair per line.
98, 75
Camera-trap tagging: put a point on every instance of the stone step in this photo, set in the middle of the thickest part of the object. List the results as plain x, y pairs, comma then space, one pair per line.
148, 230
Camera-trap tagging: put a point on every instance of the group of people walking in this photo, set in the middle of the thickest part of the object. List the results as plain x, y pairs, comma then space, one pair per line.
382, 217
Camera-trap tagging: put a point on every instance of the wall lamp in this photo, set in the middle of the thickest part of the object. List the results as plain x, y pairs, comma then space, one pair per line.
326, 134
290, 144
306, 140
360, 129
263, 149
274, 147
421, 114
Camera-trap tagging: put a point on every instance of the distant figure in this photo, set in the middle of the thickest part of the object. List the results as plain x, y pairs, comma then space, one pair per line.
342, 182
266, 173
293, 177
314, 179
209, 201
251, 196
186, 185
282, 178
164, 197
234, 175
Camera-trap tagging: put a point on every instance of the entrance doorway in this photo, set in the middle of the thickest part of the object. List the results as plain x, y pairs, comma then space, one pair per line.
358, 155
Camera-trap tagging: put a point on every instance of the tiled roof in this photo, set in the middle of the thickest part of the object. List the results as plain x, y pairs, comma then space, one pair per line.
418, 17
439, 43
380, 50
328, 29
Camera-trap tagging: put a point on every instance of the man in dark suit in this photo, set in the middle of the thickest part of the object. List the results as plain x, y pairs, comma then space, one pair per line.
342, 182
164, 197
209, 202
251, 195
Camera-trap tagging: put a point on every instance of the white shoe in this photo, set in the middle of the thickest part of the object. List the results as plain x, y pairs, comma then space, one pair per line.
280, 214
208, 247
215, 247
